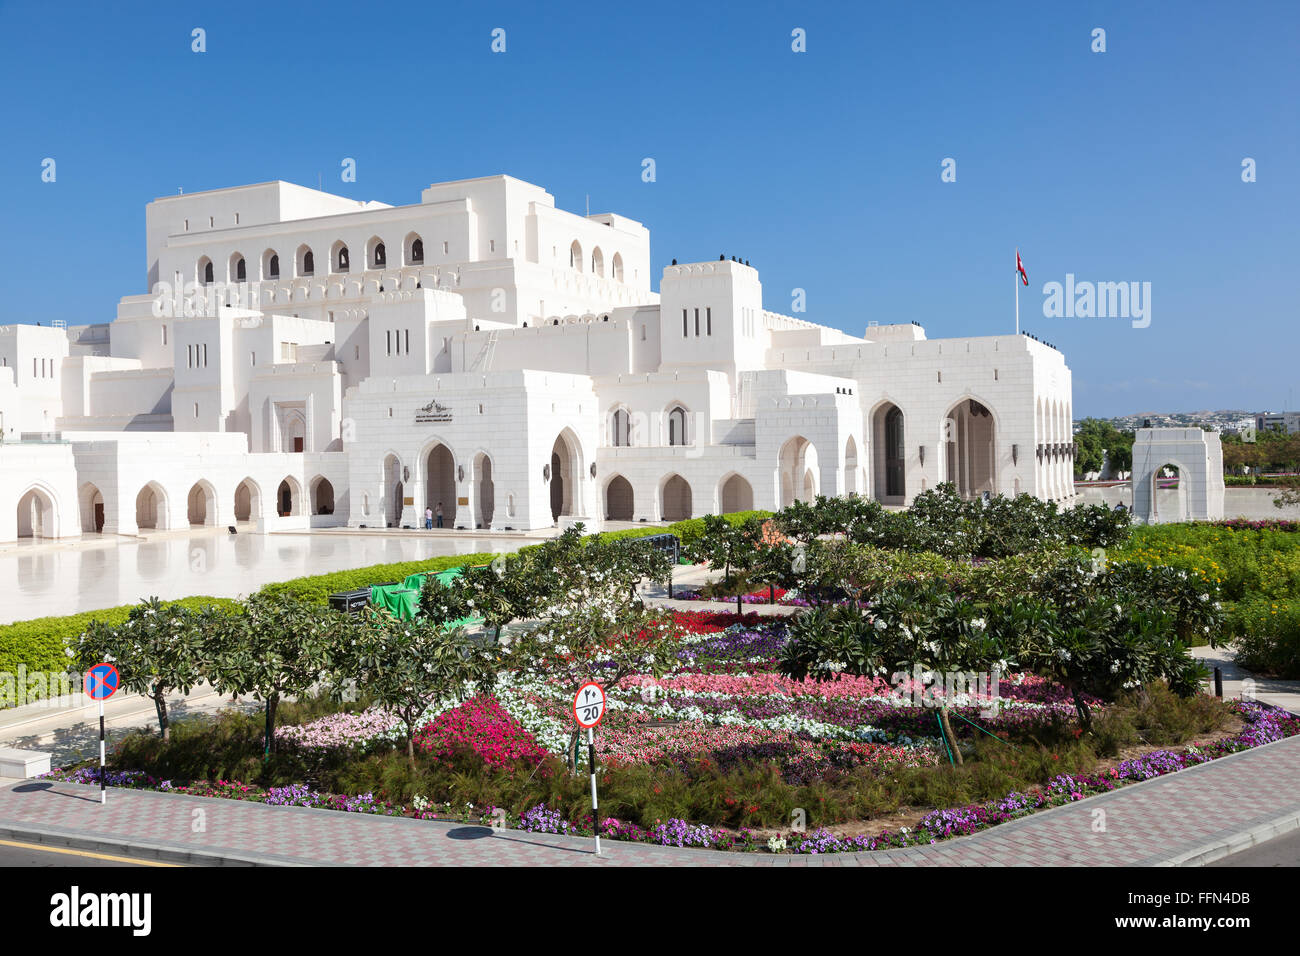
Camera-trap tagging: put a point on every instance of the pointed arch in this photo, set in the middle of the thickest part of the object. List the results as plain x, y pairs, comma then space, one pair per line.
413, 249
376, 253
675, 499
620, 500
575, 255
248, 501
151, 511
616, 268
201, 503
37, 512
735, 494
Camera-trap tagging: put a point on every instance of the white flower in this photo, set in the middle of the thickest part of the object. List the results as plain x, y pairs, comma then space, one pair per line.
978, 624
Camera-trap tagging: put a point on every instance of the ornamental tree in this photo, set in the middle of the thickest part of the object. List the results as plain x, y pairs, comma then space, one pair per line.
275, 647
407, 666
158, 650
592, 630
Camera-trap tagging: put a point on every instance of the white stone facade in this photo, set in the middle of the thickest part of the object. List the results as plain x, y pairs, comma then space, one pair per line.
306, 360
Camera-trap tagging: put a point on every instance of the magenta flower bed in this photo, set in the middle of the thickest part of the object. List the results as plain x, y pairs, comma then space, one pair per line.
483, 727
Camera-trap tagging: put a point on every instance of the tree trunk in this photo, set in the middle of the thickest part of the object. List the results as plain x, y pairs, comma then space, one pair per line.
573, 752
947, 730
160, 704
1081, 708
270, 725
410, 746
771, 594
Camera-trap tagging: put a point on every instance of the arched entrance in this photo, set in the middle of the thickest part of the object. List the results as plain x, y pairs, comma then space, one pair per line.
394, 491
1169, 494
440, 483
676, 499
36, 515
969, 436
736, 495
565, 469
288, 498
92, 509
322, 497
798, 468
151, 507
248, 501
486, 492
850, 467
201, 504
619, 499
888, 436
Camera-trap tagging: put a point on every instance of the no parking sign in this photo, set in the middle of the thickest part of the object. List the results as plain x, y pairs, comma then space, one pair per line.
102, 682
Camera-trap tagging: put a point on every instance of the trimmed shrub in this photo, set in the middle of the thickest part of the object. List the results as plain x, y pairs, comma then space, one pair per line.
1268, 635
38, 644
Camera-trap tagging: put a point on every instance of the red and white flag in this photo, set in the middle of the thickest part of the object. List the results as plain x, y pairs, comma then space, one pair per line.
1020, 267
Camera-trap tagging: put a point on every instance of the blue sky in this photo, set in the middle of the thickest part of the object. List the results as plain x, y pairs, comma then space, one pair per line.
822, 168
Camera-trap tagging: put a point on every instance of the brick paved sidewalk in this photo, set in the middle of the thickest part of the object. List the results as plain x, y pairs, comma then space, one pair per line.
1190, 816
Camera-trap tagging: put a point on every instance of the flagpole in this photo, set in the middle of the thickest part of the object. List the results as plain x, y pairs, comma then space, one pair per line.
1017, 278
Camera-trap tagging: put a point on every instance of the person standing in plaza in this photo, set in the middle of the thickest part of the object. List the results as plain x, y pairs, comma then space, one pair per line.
428, 519
439, 513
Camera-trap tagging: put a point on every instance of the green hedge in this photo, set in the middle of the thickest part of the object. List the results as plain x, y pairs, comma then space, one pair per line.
38, 644
317, 588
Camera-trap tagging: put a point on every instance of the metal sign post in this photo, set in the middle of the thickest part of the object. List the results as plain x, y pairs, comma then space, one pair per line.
588, 709
102, 682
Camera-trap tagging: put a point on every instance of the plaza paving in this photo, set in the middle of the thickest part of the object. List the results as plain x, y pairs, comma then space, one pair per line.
97, 571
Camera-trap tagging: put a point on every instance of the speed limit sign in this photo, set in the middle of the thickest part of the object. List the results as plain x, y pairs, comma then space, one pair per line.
589, 704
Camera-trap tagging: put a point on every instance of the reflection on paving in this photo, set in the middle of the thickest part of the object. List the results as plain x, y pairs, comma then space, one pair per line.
89, 574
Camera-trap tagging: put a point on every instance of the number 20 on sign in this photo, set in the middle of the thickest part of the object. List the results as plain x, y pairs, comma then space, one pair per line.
589, 704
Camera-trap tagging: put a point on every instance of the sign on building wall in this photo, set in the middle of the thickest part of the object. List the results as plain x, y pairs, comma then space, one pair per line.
435, 411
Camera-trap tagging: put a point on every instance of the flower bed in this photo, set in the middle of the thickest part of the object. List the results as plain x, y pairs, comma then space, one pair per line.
1263, 724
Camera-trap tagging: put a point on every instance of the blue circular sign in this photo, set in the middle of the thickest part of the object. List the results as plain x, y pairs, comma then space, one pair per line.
102, 681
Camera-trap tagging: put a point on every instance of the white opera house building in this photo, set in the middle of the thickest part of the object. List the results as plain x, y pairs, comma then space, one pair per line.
303, 360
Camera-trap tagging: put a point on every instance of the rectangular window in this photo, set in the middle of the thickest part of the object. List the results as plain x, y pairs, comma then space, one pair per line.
164, 335
356, 351
408, 341
196, 409
34, 375
697, 323
187, 225
444, 248
388, 340
205, 356
684, 332
189, 356
708, 318
252, 358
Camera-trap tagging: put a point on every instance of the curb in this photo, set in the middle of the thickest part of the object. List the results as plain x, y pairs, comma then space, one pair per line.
1253, 837
161, 852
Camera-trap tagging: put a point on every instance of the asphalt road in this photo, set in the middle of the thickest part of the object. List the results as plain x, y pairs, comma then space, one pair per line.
14, 853
1282, 851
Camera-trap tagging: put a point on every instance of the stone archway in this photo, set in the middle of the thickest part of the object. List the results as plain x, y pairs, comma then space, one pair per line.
151, 507
91, 502
248, 501
969, 442
888, 437
201, 504
36, 514
676, 501
440, 483
798, 470
565, 476
394, 487
735, 495
619, 499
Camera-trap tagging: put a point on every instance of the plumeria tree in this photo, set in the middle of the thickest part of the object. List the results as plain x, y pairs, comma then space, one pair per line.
158, 650
407, 666
275, 647
592, 630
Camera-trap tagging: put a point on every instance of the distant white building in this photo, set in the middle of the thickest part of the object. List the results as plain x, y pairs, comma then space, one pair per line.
1288, 422
306, 360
